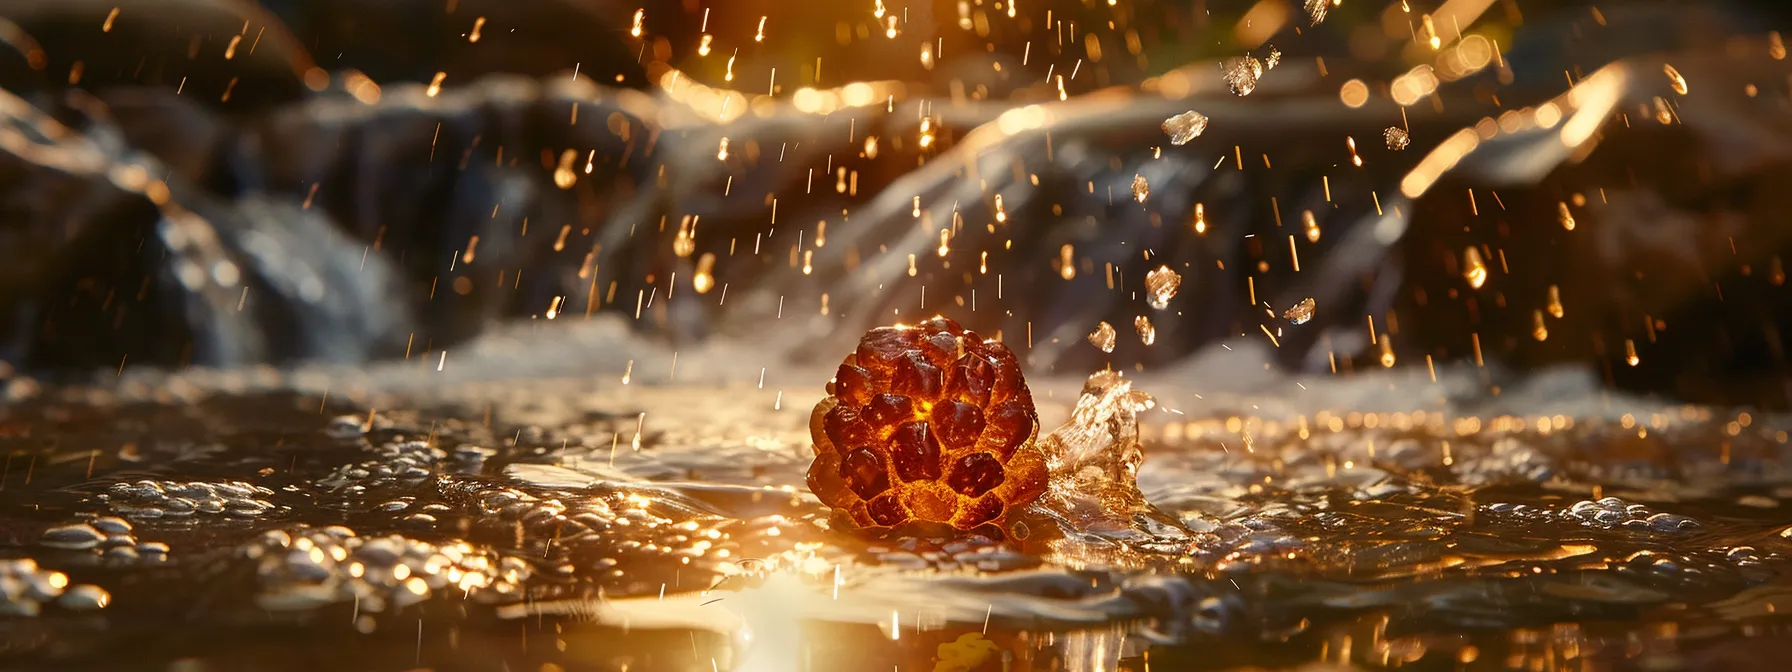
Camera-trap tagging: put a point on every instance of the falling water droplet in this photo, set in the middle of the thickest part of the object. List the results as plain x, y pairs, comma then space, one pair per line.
1200, 219
1387, 351
1001, 215
705, 279
1396, 137
564, 175
1147, 333
1273, 59
1316, 10
1630, 352
1067, 262
1474, 270
1301, 313
1566, 217
1185, 127
1311, 225
1140, 188
1161, 286
1538, 330
1674, 79
1103, 337
686, 242
1555, 302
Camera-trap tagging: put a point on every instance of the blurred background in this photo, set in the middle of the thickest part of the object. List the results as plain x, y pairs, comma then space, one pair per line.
356, 326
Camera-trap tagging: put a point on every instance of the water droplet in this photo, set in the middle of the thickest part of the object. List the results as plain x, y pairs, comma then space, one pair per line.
686, 242
564, 175
1387, 351
1185, 127
1630, 352
1555, 302
1147, 333
1474, 270
1566, 217
1396, 137
1140, 188
1316, 10
1103, 337
1161, 286
1311, 225
1241, 74
1538, 330
1674, 79
1273, 59
1302, 312
1066, 262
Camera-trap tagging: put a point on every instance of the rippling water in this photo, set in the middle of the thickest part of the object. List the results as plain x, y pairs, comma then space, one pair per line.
489, 517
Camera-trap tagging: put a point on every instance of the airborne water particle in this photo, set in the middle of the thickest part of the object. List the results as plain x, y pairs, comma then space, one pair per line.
1474, 270
1161, 286
1396, 137
1103, 337
1185, 127
1147, 333
1316, 10
1140, 188
1241, 74
1301, 313
1566, 217
1555, 302
564, 175
1273, 59
1674, 79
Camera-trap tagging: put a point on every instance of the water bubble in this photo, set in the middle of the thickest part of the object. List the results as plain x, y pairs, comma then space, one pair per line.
74, 537
1396, 137
1241, 74
1140, 188
1185, 127
1161, 286
1147, 333
1300, 313
84, 598
1103, 337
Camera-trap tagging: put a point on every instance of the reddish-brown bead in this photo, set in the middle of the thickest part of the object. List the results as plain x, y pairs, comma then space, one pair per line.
927, 425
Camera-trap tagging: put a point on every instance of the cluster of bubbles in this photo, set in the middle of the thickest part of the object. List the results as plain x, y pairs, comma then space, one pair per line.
25, 588
109, 538
306, 567
146, 499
